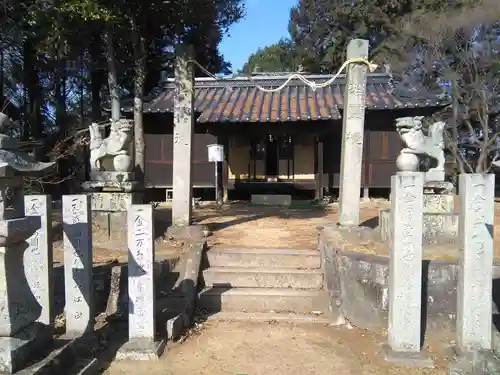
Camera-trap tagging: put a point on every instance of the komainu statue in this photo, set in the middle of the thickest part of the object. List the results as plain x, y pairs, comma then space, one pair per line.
424, 149
111, 153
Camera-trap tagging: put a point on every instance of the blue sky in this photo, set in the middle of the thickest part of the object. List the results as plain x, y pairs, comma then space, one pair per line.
265, 23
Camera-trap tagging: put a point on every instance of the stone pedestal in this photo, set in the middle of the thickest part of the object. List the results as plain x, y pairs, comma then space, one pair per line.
435, 175
439, 217
439, 196
437, 225
116, 186
112, 194
107, 176
108, 201
109, 215
439, 203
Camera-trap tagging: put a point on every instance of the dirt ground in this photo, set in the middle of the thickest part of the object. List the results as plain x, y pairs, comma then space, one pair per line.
274, 227
263, 349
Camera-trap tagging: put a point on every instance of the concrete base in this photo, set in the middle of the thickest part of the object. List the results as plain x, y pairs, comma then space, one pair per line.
16, 351
410, 359
141, 350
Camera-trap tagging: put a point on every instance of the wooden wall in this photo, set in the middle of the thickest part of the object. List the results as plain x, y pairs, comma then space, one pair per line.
381, 147
159, 161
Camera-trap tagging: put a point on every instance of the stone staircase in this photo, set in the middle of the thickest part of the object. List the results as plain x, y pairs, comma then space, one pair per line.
263, 285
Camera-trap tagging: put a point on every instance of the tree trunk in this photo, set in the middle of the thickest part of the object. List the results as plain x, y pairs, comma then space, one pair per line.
454, 131
32, 124
2, 66
139, 79
97, 77
112, 75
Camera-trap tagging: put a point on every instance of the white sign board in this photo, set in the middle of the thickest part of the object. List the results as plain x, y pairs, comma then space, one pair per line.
215, 153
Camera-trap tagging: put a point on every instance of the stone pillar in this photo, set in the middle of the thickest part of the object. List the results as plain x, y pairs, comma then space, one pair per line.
353, 121
474, 294
142, 342
405, 270
38, 259
78, 282
184, 117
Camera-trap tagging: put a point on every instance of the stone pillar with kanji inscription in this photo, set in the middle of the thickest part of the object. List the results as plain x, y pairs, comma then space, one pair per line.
78, 282
184, 116
475, 266
353, 122
24, 328
405, 272
38, 262
142, 343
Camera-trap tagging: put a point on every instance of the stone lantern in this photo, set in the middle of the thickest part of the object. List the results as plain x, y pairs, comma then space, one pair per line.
20, 333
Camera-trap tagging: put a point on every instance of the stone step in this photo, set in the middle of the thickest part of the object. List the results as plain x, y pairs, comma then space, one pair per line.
239, 277
298, 301
259, 317
241, 257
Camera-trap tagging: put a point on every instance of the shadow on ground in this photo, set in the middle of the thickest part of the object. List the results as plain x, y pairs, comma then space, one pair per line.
229, 216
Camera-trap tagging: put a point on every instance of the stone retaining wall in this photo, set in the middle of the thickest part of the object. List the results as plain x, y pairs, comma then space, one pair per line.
358, 284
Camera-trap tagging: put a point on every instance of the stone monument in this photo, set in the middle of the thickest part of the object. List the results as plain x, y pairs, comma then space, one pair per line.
22, 332
424, 152
112, 184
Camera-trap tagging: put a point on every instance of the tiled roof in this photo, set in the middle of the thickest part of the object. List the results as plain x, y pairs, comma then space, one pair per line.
238, 100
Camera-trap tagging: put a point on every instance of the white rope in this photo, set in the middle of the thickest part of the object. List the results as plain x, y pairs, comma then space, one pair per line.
312, 84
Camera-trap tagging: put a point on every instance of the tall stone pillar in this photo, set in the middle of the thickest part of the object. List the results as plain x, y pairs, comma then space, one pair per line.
405, 272
184, 117
353, 121
475, 267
